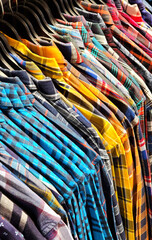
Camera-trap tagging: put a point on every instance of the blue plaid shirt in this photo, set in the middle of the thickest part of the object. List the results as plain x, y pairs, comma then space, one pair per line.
112, 195
72, 169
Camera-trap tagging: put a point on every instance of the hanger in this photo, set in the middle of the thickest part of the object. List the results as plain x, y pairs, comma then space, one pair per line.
77, 4
68, 7
39, 13
6, 27
26, 20
34, 19
55, 8
73, 8
20, 25
45, 10
6, 58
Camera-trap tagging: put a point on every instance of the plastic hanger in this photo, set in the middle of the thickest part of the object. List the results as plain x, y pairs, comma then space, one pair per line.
29, 24
68, 7
40, 15
4, 64
6, 27
45, 10
55, 8
34, 19
19, 24
72, 7
77, 4
11, 63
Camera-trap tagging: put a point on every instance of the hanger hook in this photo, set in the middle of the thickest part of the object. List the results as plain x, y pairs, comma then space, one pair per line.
2, 8
16, 2
10, 6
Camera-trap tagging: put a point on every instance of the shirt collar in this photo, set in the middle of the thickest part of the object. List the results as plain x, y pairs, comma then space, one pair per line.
101, 9
20, 80
74, 33
91, 16
109, 37
78, 25
98, 32
16, 94
5, 102
70, 52
132, 10
79, 18
50, 51
22, 76
30, 66
48, 65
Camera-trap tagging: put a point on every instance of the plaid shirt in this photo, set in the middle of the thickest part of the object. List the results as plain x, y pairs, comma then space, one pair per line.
13, 187
36, 174
129, 44
9, 231
70, 155
144, 27
128, 112
141, 151
30, 67
105, 37
17, 167
99, 34
145, 73
117, 216
101, 68
22, 151
79, 141
18, 218
137, 95
99, 9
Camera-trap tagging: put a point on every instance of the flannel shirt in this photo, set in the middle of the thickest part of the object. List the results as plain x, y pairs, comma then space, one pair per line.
95, 46
145, 73
105, 37
9, 231
39, 117
118, 218
95, 8
134, 12
103, 70
137, 95
14, 187
17, 167
29, 82
30, 67
129, 129
99, 31
15, 117
132, 34
129, 44
32, 160
35, 173
18, 218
